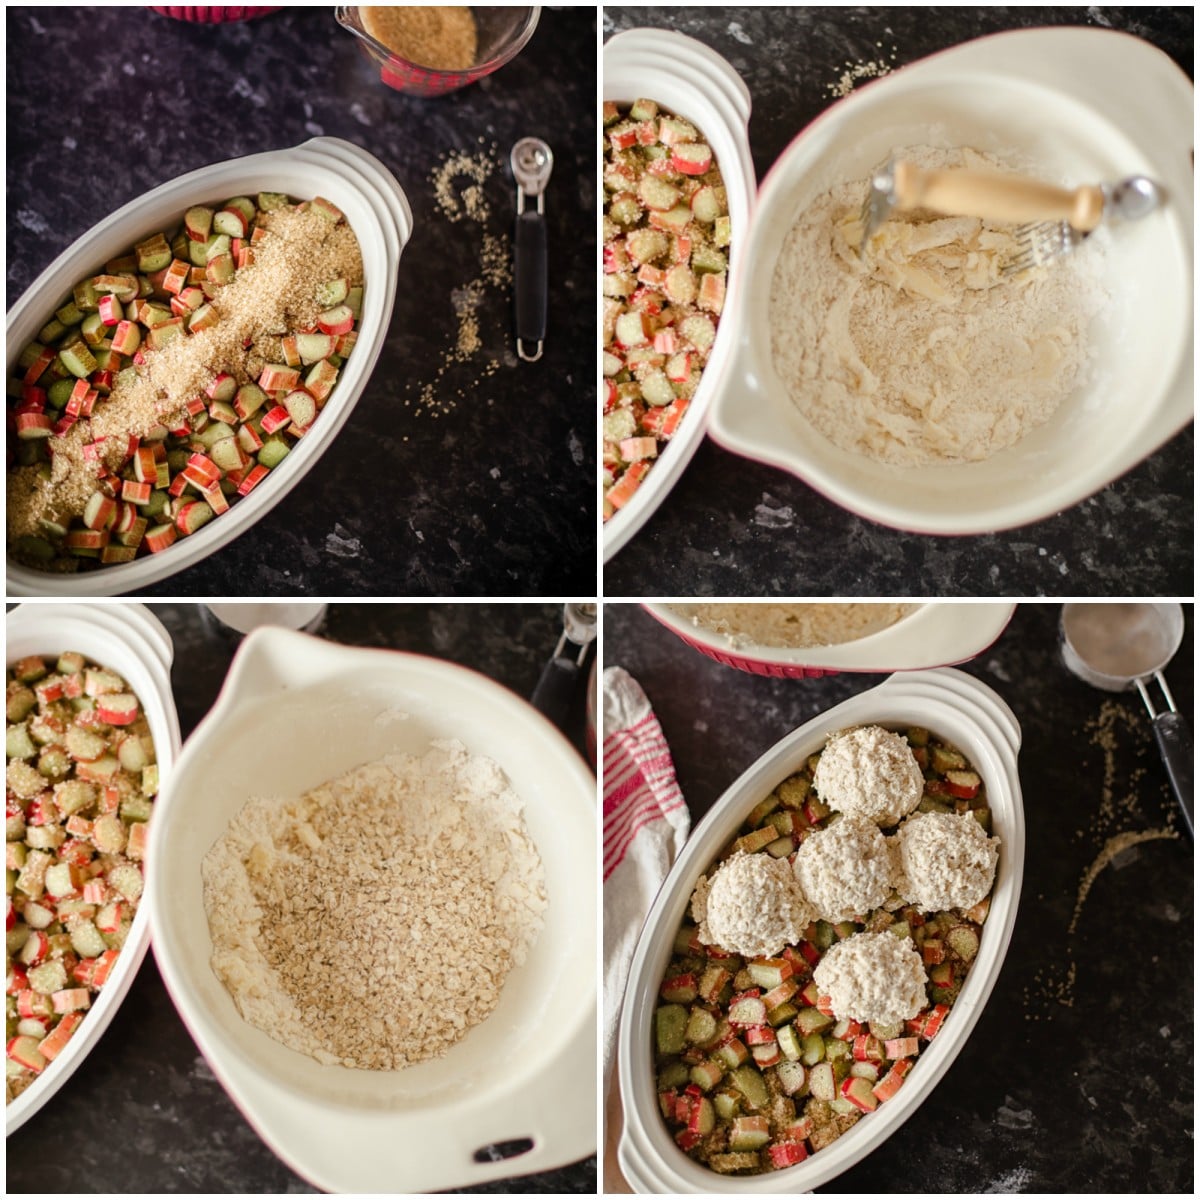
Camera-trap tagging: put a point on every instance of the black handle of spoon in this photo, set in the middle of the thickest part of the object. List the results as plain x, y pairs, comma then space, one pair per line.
1174, 737
530, 275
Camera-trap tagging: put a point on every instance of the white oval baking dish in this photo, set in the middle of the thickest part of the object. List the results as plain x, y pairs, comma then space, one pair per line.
953, 705
687, 78
935, 635
378, 212
1084, 104
296, 711
131, 640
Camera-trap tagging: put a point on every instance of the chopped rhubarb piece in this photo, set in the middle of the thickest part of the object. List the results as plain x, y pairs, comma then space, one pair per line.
786, 1154
859, 1092
24, 1051
937, 1016
54, 1043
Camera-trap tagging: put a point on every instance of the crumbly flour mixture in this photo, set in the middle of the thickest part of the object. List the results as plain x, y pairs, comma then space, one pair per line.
792, 626
920, 351
372, 922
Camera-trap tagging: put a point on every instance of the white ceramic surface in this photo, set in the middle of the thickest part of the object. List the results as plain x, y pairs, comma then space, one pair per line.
296, 711
1082, 104
378, 212
688, 79
951, 704
935, 635
131, 641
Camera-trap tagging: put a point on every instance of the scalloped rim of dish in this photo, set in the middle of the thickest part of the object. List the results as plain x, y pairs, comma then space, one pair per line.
953, 705
130, 640
666, 66
937, 634
379, 214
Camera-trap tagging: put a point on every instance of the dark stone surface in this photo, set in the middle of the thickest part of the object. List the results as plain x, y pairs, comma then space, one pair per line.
496, 498
736, 527
143, 1113
1094, 1096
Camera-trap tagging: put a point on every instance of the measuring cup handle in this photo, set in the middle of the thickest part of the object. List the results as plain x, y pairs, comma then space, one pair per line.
1174, 737
529, 269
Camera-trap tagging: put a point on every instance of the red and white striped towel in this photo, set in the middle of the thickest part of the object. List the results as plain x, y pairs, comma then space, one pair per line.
646, 823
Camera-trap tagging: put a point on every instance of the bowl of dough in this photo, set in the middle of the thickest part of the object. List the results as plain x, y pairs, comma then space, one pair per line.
914, 380
746, 1105
807, 640
374, 910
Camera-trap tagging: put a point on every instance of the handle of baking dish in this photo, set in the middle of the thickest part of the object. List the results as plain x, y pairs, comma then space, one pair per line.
634, 1165
149, 631
371, 171
692, 61
972, 697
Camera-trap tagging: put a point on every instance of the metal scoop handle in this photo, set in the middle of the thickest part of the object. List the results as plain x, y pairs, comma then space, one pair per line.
531, 162
530, 278
1174, 737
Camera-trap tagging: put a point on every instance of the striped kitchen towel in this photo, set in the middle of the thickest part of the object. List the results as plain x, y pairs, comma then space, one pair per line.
646, 823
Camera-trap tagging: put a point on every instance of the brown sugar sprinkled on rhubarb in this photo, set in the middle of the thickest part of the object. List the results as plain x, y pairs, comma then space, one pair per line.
272, 295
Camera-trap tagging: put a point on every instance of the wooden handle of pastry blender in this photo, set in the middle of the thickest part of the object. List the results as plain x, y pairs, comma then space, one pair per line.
996, 197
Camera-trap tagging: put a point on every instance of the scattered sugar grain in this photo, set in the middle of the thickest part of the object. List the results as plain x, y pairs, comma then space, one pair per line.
856, 72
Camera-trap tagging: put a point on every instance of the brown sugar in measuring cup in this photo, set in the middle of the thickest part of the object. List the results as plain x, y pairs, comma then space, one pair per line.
430, 50
442, 37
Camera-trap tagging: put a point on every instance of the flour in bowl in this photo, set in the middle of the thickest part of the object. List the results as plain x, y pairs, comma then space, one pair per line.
920, 350
372, 922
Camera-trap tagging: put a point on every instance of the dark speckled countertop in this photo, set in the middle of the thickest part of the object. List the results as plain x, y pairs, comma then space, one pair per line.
143, 1112
496, 497
735, 527
1079, 1075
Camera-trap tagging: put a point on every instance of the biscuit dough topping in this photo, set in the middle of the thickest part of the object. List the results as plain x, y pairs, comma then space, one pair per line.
751, 905
869, 772
945, 860
873, 977
845, 869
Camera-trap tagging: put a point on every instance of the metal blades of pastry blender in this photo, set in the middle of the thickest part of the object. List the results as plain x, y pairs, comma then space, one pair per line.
554, 690
531, 162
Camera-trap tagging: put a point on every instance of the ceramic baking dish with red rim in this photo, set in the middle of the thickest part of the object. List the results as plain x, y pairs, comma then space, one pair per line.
934, 635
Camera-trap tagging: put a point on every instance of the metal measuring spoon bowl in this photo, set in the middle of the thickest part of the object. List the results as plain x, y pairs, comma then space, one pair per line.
1118, 647
1132, 198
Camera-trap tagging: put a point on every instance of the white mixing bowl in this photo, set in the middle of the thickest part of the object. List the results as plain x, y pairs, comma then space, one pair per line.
1082, 104
296, 711
378, 212
950, 704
